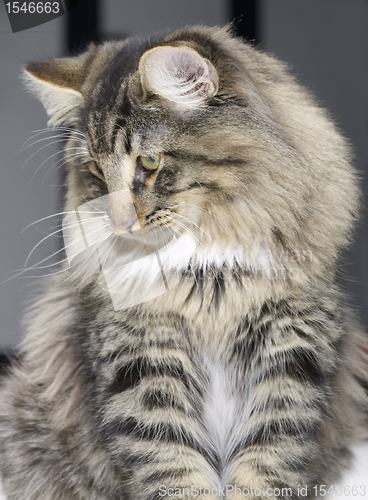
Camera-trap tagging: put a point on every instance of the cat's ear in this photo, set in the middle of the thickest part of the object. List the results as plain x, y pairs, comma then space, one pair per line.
179, 75
57, 83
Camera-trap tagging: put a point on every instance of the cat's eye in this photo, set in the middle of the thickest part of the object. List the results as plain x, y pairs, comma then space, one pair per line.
96, 170
151, 162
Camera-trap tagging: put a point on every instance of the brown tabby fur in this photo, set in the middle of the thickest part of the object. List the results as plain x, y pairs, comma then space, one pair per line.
247, 374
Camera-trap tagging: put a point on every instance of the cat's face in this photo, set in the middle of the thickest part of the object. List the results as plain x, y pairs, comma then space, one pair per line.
153, 129
200, 135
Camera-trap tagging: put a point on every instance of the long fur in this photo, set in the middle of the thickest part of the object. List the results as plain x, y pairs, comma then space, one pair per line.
251, 371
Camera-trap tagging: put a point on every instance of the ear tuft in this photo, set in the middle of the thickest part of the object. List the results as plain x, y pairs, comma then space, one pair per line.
57, 84
179, 75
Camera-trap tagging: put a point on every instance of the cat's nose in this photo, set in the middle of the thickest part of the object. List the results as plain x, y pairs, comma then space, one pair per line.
122, 211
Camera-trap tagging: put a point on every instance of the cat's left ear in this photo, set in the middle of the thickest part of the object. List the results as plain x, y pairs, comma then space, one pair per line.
180, 75
57, 83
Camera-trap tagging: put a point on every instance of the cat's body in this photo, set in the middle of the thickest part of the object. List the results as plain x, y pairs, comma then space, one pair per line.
250, 372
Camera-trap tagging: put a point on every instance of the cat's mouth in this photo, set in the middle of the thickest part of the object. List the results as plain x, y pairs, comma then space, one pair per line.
152, 237
106, 233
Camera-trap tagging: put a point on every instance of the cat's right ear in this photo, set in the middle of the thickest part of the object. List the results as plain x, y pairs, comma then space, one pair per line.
179, 75
57, 83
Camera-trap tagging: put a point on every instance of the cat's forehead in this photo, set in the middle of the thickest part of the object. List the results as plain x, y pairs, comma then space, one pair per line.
108, 88
111, 137
128, 121
116, 109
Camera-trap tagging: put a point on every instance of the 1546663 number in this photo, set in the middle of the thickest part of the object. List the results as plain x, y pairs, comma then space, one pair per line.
33, 7
347, 490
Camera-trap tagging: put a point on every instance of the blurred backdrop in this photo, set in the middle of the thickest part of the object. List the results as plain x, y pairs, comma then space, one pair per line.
324, 41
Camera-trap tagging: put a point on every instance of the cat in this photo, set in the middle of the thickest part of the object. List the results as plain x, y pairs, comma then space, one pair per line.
245, 373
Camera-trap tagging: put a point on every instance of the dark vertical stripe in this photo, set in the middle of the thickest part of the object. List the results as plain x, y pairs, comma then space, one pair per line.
82, 24
6, 360
245, 14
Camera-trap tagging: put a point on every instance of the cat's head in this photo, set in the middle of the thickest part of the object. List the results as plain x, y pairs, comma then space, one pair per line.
206, 136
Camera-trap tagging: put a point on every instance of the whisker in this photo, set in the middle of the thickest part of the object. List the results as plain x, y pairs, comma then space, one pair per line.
43, 239
57, 215
51, 265
88, 202
88, 256
40, 149
109, 122
52, 129
204, 232
62, 136
188, 231
36, 133
114, 238
201, 209
64, 161
37, 266
55, 154
72, 224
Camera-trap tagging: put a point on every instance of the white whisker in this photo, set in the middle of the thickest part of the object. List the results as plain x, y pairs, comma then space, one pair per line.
48, 236
40, 149
181, 224
194, 224
81, 153
37, 266
64, 137
57, 215
64, 161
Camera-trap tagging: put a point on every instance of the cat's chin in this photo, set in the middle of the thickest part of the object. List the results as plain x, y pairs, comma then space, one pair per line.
153, 238
129, 235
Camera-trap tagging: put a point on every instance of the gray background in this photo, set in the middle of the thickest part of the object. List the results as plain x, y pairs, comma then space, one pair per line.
325, 42
22, 199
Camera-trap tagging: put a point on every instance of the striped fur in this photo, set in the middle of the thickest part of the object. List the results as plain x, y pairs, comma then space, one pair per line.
251, 372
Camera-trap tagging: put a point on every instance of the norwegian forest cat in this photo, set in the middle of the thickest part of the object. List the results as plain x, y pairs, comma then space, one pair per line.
249, 371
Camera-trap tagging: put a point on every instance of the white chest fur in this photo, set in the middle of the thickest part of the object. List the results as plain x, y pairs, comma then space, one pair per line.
220, 409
